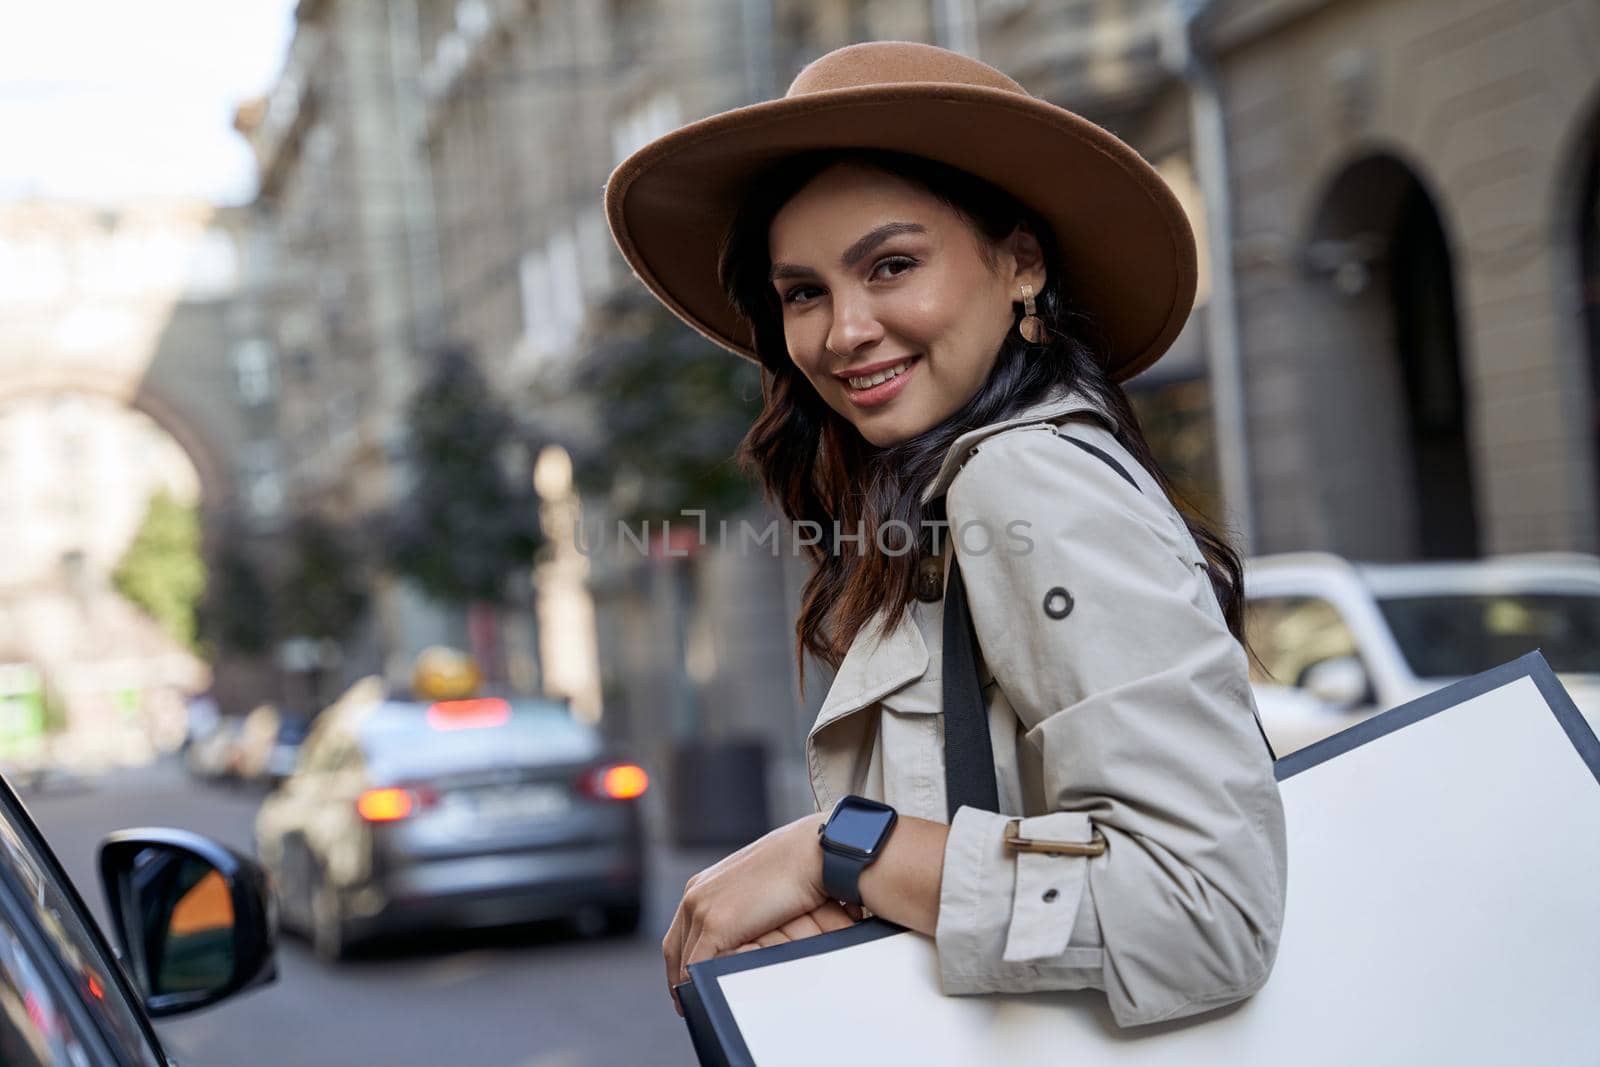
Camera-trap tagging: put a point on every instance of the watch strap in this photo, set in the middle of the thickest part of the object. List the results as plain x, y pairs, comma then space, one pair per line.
841, 875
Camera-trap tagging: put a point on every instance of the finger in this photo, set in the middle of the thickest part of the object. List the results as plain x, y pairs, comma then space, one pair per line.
672, 947
697, 945
669, 945
746, 947
677, 969
832, 916
801, 927
773, 937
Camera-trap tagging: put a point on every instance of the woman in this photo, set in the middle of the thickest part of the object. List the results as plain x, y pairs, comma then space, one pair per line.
943, 279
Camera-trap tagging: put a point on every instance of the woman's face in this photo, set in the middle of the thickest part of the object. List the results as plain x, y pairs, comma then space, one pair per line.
875, 274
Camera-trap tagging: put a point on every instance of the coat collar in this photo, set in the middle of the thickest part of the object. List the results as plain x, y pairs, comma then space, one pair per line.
1057, 407
879, 661
884, 657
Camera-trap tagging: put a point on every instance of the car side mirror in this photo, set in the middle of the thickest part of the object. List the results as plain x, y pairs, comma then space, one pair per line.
1340, 682
194, 919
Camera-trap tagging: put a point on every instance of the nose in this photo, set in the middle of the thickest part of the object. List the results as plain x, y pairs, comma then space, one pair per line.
855, 324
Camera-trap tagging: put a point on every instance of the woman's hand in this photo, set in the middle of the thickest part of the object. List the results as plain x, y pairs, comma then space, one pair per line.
832, 915
755, 892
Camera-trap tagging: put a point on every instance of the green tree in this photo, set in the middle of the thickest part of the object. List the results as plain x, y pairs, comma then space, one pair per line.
162, 570
237, 613
666, 412
465, 525
323, 591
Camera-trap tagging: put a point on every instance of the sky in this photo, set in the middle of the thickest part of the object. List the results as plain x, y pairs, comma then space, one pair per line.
113, 100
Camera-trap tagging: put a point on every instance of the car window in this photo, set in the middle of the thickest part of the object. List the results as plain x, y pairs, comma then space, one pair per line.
1292, 634
34, 1030
65, 924
1455, 636
405, 738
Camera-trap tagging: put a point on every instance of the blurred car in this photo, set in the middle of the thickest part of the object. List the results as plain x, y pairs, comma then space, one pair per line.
267, 745
285, 753
257, 737
1343, 640
405, 814
214, 755
192, 918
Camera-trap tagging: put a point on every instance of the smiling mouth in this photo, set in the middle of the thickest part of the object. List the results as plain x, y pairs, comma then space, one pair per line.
867, 381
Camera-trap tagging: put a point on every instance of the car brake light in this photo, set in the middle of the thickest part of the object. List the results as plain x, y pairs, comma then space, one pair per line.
386, 805
472, 714
619, 781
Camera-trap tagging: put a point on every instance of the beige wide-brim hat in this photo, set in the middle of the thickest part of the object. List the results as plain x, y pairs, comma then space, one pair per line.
1127, 249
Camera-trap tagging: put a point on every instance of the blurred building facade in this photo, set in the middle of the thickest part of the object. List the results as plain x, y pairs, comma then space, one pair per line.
432, 170
1404, 366
1392, 354
128, 367
1414, 191
351, 292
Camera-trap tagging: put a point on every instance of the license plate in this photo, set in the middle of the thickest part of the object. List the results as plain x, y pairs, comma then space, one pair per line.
525, 802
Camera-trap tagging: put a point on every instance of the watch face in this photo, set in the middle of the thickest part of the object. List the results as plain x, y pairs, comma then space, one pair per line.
858, 828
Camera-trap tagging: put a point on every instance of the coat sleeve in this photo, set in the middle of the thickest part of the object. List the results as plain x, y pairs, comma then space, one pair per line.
1093, 610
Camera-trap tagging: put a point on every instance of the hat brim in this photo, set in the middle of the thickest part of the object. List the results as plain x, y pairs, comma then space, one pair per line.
1126, 245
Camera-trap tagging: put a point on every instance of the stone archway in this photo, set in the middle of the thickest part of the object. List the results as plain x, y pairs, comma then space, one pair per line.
143, 307
1392, 408
110, 678
216, 478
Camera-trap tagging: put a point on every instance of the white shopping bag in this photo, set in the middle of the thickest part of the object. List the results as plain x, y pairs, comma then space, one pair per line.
1443, 908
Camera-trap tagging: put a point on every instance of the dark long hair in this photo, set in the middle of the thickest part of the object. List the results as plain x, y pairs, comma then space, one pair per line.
816, 468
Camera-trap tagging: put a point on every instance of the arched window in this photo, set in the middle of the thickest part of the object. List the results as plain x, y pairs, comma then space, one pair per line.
1391, 417
1589, 275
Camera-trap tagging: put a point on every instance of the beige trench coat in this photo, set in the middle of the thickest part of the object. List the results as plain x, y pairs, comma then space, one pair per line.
1130, 714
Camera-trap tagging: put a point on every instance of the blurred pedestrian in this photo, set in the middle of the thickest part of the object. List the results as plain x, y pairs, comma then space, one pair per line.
944, 281
202, 716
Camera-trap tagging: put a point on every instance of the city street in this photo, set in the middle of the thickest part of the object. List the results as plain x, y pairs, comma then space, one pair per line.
542, 997
533, 433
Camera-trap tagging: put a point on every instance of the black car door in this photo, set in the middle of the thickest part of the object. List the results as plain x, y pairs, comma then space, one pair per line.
63, 997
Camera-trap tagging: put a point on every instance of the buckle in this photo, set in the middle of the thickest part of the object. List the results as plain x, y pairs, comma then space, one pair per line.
1017, 843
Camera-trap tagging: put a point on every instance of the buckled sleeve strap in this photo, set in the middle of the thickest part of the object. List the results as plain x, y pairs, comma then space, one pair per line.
1008, 921
1048, 890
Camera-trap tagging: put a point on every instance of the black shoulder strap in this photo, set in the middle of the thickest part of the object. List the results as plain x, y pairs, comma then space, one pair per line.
969, 779
1095, 450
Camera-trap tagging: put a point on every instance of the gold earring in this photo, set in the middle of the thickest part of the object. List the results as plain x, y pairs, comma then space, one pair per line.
1031, 327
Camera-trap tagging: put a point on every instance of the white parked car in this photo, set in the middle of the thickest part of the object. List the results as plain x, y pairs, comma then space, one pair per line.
1341, 640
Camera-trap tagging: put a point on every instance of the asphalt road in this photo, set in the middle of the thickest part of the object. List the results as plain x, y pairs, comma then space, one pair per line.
535, 997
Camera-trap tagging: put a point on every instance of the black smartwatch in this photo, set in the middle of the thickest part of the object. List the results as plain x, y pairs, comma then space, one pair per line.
852, 838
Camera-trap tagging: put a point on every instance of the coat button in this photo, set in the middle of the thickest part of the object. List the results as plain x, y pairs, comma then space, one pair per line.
929, 585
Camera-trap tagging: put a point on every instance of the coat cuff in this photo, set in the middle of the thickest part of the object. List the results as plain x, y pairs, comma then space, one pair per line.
1044, 904
996, 930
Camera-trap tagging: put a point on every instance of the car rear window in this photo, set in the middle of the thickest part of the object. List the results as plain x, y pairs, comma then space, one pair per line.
405, 738
1455, 636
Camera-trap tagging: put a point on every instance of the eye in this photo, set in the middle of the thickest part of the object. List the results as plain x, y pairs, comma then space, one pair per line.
903, 263
796, 295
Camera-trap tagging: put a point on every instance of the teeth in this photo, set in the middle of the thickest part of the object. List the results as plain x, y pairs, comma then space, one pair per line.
882, 376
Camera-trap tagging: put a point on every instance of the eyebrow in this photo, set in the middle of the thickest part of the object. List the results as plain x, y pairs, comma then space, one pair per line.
852, 255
